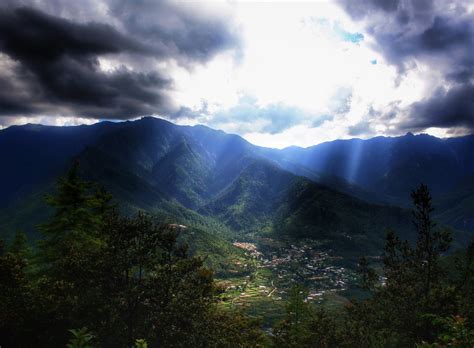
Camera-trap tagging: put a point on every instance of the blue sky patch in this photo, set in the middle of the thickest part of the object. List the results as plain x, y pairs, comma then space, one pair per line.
336, 28
347, 36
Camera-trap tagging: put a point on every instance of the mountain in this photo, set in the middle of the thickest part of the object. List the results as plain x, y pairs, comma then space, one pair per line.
309, 210
33, 154
171, 160
456, 207
222, 177
251, 200
267, 200
220, 185
391, 167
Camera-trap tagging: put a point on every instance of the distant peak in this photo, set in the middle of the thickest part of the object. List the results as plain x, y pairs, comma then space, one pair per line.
409, 134
153, 119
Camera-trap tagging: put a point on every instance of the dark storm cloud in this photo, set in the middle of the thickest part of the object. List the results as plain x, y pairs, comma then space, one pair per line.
445, 33
174, 31
58, 61
9, 105
54, 62
417, 29
445, 109
30, 35
12, 103
439, 34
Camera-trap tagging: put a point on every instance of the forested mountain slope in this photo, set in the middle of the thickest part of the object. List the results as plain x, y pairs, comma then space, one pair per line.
222, 183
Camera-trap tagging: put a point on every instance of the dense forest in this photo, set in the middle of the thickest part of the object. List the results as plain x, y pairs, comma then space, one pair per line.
99, 278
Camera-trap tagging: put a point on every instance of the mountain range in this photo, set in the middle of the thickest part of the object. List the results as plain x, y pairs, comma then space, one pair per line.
345, 193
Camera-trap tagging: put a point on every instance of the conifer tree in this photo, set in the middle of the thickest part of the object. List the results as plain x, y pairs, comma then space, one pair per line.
401, 312
431, 243
292, 331
19, 245
79, 211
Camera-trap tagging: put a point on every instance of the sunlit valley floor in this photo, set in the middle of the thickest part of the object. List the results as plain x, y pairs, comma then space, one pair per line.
263, 279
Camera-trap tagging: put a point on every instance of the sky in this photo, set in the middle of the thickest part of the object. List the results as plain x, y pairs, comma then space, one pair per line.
278, 73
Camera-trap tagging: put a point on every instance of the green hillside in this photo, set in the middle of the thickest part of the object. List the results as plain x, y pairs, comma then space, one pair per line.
456, 208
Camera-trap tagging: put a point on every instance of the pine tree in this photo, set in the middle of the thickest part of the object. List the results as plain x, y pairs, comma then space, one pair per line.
19, 246
431, 243
401, 312
292, 331
17, 297
74, 229
368, 276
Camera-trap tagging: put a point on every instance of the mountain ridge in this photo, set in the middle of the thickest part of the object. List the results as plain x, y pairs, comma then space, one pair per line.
213, 179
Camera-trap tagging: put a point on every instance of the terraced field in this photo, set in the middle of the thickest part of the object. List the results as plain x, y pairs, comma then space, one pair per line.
266, 276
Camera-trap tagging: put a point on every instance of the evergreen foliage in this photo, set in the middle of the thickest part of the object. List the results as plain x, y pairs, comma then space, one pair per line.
131, 282
122, 277
416, 302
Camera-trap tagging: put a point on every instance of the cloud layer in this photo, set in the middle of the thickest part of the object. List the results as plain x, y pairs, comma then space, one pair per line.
105, 63
278, 74
437, 34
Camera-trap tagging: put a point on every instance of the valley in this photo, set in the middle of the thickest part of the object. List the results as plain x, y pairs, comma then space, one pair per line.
263, 219
261, 282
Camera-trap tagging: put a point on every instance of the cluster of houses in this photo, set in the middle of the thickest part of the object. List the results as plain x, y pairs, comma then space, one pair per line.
250, 248
303, 263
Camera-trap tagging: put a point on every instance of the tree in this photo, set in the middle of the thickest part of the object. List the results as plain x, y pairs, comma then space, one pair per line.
68, 258
81, 338
19, 246
292, 331
323, 329
464, 283
153, 288
454, 333
401, 312
123, 277
303, 325
80, 210
368, 276
17, 299
430, 243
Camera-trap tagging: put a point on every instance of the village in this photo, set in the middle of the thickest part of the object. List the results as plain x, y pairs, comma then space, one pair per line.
273, 268
303, 264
